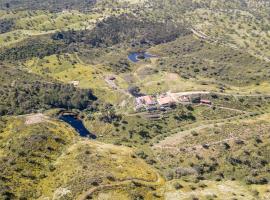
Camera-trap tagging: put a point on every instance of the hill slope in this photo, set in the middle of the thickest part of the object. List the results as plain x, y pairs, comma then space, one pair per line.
26, 93
49, 160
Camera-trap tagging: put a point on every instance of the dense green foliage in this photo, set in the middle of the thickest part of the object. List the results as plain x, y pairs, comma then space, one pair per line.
52, 5
27, 93
111, 31
125, 28
6, 25
35, 47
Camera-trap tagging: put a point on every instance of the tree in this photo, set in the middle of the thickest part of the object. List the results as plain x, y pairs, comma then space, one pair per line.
134, 90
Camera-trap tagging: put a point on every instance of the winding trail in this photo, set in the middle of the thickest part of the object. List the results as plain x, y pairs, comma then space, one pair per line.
113, 85
198, 146
201, 35
232, 109
174, 140
220, 93
159, 181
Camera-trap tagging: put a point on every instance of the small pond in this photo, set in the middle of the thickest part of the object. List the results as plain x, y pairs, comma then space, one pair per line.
77, 124
137, 56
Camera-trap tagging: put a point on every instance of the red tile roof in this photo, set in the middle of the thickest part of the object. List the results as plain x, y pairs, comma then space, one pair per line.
205, 101
148, 100
165, 100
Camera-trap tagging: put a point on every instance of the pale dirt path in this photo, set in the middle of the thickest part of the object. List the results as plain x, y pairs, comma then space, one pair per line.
232, 109
171, 142
242, 95
201, 35
219, 93
198, 146
171, 139
159, 181
174, 140
113, 85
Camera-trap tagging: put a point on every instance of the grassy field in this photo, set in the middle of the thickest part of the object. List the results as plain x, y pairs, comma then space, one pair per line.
69, 67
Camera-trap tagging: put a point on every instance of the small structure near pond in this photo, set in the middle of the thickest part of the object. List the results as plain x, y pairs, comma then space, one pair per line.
184, 99
205, 102
145, 102
165, 100
168, 100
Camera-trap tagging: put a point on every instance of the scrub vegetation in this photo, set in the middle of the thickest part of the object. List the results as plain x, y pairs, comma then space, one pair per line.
199, 131
26, 93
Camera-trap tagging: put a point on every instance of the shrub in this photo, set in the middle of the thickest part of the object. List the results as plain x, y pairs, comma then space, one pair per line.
177, 186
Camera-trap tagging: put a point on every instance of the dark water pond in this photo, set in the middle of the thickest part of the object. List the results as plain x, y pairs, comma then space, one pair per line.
77, 125
137, 56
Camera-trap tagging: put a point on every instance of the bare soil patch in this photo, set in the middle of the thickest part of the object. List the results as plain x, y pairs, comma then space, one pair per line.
35, 119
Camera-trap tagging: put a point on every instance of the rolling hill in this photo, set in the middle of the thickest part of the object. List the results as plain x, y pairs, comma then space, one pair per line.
176, 93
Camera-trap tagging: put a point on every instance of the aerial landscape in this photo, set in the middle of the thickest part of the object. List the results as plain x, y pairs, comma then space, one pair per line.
135, 99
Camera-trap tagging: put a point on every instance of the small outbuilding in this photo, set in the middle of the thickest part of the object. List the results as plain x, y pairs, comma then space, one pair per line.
184, 99
145, 100
206, 102
165, 101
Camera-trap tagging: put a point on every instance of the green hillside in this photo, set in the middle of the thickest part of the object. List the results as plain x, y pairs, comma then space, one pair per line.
49, 160
134, 99
26, 93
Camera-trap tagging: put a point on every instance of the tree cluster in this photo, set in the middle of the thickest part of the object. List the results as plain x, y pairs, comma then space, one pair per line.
51, 5
28, 93
35, 47
6, 25
125, 28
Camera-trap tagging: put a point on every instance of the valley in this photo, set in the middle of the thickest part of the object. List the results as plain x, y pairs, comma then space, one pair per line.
134, 100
